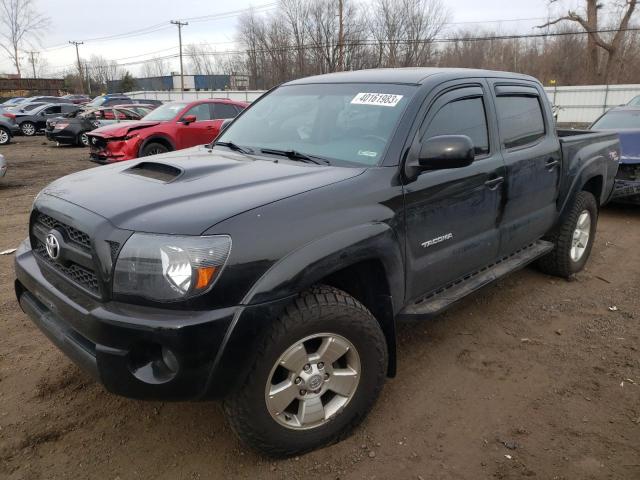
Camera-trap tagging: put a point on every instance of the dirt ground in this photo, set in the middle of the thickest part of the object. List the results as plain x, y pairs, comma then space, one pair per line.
533, 377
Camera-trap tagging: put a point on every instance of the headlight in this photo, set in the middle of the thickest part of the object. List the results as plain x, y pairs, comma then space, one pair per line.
168, 267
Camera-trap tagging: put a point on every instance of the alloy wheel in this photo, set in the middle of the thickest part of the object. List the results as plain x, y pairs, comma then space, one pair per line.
581, 234
312, 381
4, 137
28, 129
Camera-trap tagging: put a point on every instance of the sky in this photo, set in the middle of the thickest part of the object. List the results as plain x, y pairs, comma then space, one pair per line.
90, 20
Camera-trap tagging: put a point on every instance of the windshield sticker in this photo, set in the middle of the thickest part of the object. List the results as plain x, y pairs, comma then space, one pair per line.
380, 99
367, 153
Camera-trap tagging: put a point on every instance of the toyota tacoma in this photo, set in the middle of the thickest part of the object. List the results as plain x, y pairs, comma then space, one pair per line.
268, 269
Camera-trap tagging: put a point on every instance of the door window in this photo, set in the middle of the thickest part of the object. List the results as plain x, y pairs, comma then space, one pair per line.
202, 112
462, 117
520, 120
223, 110
52, 110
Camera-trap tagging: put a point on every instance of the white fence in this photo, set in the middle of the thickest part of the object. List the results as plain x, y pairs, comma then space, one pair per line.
586, 103
576, 104
167, 96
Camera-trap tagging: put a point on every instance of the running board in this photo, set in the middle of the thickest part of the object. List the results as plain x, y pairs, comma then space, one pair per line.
442, 299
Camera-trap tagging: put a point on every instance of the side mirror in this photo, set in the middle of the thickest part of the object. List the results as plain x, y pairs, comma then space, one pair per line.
446, 151
225, 123
188, 119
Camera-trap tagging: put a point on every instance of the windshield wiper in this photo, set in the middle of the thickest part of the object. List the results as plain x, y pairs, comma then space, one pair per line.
234, 147
295, 155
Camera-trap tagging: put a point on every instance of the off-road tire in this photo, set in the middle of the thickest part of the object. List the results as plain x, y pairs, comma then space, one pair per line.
319, 309
5, 136
28, 129
153, 148
559, 262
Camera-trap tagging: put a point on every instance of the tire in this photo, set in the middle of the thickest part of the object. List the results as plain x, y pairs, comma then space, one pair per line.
321, 314
570, 257
153, 148
83, 139
5, 136
28, 129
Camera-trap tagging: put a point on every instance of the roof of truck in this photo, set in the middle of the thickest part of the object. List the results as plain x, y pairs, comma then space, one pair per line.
411, 75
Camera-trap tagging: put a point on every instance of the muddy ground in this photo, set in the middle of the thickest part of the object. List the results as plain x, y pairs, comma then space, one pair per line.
535, 377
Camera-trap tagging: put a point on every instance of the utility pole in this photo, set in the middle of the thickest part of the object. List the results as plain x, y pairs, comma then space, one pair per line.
180, 25
340, 37
86, 70
79, 64
32, 60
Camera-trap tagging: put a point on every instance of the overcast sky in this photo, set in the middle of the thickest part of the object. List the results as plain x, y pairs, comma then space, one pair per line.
88, 19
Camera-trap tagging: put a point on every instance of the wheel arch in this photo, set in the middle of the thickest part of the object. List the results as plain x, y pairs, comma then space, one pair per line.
156, 138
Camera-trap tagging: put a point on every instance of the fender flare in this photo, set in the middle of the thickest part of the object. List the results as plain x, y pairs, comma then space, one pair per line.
299, 270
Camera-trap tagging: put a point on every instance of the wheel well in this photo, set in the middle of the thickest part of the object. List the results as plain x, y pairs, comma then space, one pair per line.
594, 186
160, 140
367, 282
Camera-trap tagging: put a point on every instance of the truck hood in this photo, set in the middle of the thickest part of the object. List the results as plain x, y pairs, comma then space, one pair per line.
122, 129
189, 191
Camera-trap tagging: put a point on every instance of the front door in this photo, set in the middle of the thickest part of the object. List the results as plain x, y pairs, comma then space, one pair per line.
452, 215
200, 132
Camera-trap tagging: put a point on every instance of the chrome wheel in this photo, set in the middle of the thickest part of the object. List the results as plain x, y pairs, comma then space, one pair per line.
581, 234
4, 136
312, 381
84, 139
28, 129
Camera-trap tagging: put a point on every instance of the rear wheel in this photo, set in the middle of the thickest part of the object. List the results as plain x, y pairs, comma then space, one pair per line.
154, 148
83, 139
5, 136
28, 129
573, 238
316, 374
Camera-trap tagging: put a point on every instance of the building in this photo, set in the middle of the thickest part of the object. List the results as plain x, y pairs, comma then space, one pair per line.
172, 82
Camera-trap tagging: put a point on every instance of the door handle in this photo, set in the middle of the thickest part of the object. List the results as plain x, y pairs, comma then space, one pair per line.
494, 182
551, 163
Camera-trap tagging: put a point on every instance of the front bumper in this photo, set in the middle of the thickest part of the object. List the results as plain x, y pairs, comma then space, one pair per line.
121, 345
627, 184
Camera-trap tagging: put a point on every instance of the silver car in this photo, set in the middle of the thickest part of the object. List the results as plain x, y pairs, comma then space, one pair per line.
3, 166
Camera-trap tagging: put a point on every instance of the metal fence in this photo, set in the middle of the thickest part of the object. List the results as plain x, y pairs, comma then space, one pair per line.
575, 104
167, 96
584, 104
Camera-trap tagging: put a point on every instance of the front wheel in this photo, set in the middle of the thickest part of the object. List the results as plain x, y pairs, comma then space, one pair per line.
573, 238
28, 129
316, 374
154, 148
5, 136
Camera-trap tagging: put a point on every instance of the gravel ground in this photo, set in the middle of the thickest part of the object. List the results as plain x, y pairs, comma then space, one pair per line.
532, 377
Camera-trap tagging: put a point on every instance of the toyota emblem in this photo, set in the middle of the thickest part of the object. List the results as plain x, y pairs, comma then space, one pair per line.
53, 246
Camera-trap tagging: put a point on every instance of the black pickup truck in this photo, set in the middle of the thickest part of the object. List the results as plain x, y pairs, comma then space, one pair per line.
270, 267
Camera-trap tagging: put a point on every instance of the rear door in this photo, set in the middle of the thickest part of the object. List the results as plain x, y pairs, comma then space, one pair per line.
532, 157
49, 112
452, 214
200, 132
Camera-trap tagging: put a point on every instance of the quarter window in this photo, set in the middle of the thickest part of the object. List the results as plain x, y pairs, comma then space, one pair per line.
520, 120
462, 117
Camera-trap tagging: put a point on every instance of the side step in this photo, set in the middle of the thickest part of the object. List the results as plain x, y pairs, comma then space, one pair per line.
440, 300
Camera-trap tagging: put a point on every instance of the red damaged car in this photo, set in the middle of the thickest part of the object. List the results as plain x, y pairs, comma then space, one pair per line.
173, 126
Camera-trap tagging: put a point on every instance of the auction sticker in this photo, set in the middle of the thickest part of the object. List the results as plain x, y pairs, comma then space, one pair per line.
380, 99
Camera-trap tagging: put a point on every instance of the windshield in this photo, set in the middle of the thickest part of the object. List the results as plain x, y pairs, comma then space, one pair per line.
635, 101
616, 120
165, 112
345, 122
96, 102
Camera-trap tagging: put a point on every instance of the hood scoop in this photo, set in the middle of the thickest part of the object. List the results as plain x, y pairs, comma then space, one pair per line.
156, 171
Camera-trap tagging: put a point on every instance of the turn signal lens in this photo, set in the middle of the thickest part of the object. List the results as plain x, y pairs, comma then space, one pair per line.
204, 277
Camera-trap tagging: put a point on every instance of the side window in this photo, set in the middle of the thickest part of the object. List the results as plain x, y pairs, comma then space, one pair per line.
462, 117
223, 110
520, 120
51, 110
202, 112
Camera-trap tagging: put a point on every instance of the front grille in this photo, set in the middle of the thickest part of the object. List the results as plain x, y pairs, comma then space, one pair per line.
629, 172
78, 237
74, 272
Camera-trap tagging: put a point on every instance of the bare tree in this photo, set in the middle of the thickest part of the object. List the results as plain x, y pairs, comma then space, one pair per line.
590, 23
19, 23
102, 71
156, 67
202, 60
